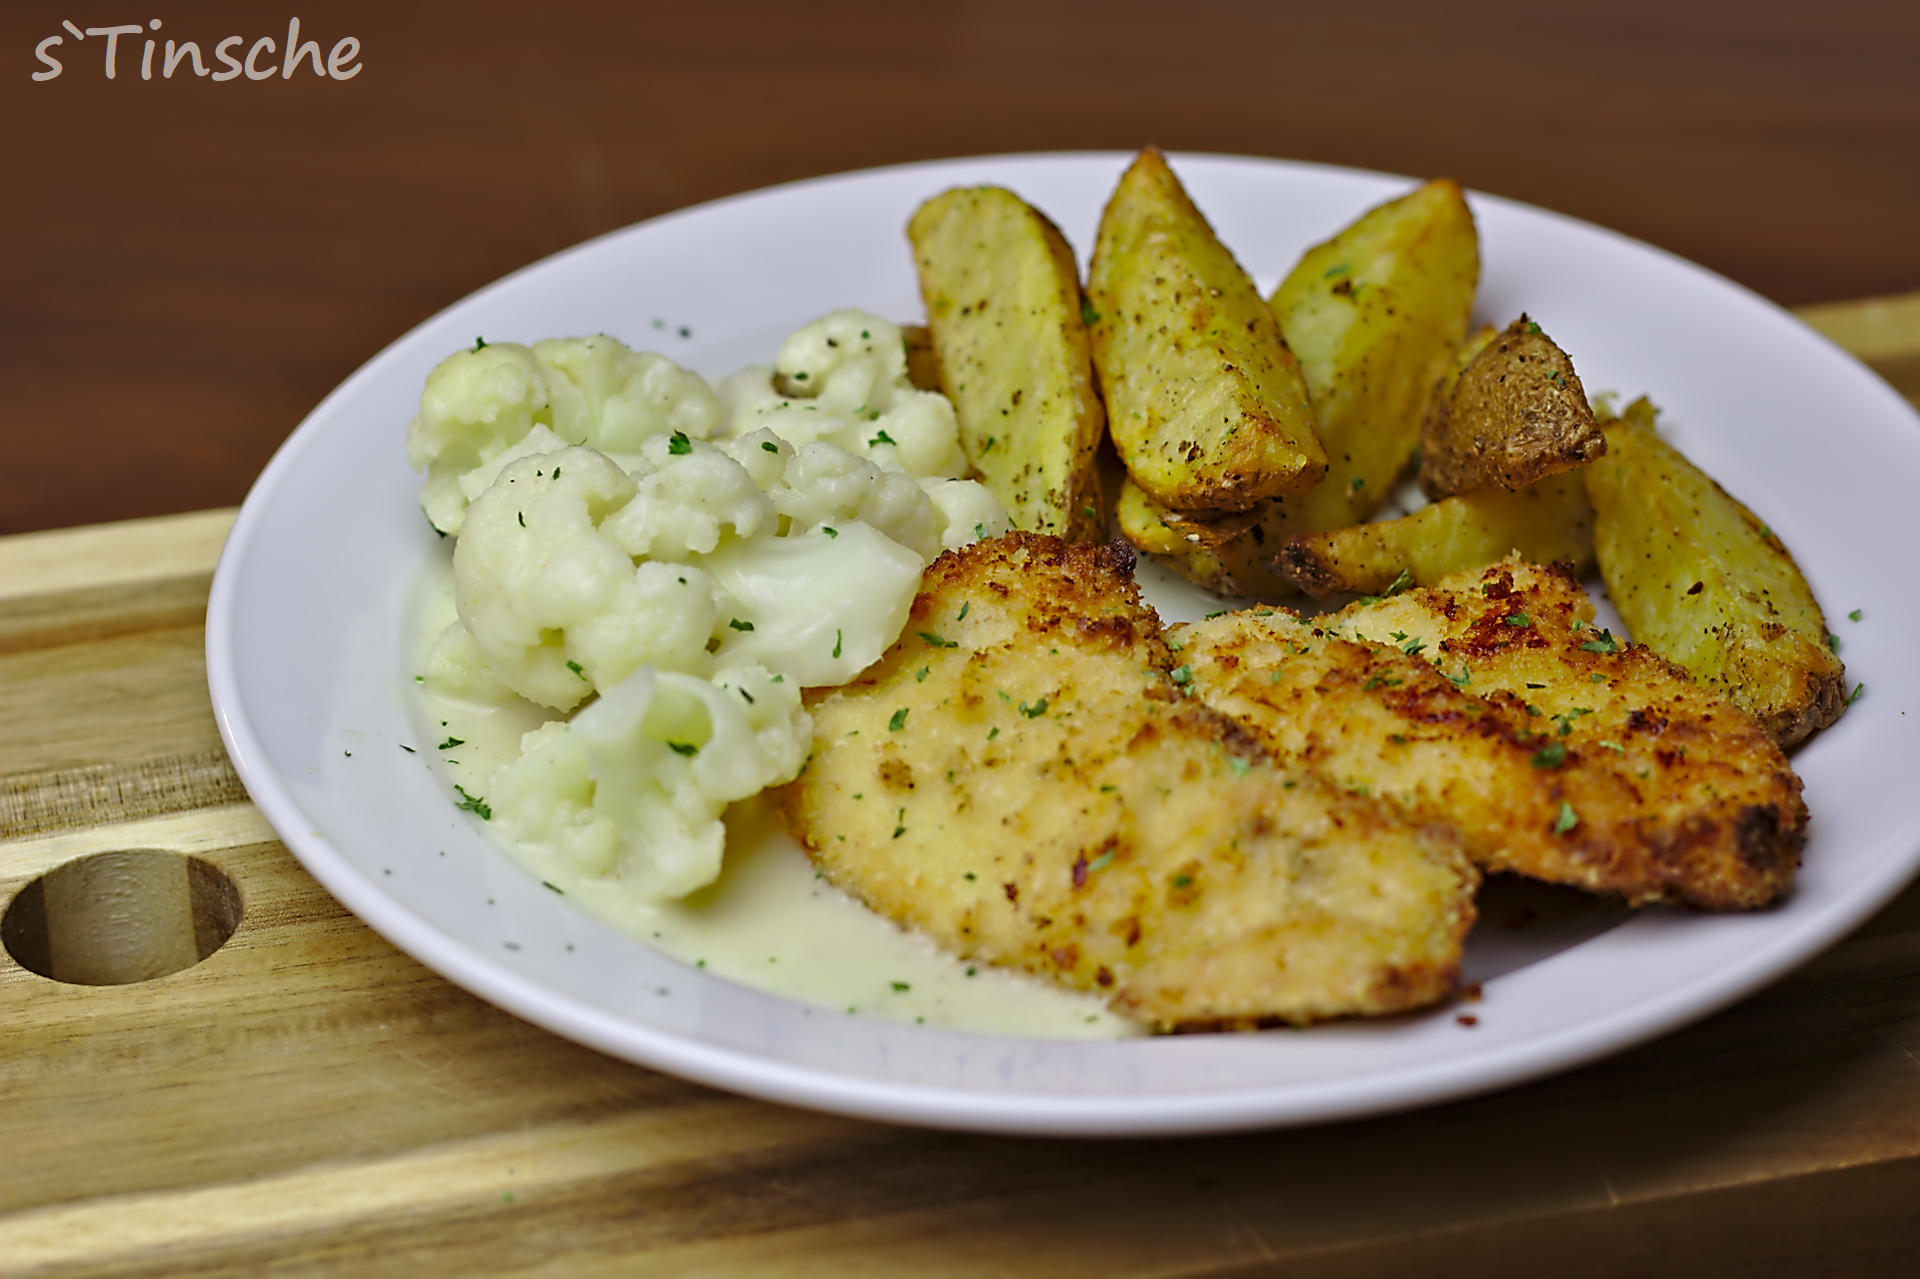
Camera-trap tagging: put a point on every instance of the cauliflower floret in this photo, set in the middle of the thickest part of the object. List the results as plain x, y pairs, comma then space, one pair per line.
480, 407
843, 380
457, 668
558, 606
819, 606
688, 493
634, 786
825, 484
615, 397
967, 511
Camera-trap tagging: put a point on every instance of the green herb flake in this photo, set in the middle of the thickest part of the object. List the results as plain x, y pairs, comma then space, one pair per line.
479, 344
1464, 678
899, 720
1833, 642
993, 732
1413, 646
900, 987
986, 446
1518, 619
900, 824
1605, 644
473, 804
1087, 314
577, 669
739, 625
1239, 765
552, 887
683, 748
1854, 616
880, 437
1854, 696
830, 530
769, 446
1338, 269
678, 444
1182, 674
836, 643
1550, 756
403, 746
1101, 862
1567, 820
1401, 582
920, 676
1357, 483
452, 742
1033, 710
937, 641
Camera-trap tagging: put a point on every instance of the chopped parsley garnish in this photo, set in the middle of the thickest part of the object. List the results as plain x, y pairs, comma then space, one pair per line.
1413, 646
899, 720
577, 669
1357, 483
403, 746
1567, 820
937, 641
739, 625
473, 804
1854, 616
830, 530
522, 517
1854, 696
1239, 765
900, 824
1550, 756
769, 446
900, 986
801, 376
1518, 619
678, 444
1101, 862
1181, 674
683, 748
1087, 314
1605, 644
880, 437
1833, 642
1379, 681
1183, 881
986, 446
1033, 710
479, 344
1338, 269
550, 886
1401, 582
1532, 327
920, 675
1566, 721
452, 742
836, 643
1464, 678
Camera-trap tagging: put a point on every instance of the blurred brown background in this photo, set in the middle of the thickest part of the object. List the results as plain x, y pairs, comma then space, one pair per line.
191, 265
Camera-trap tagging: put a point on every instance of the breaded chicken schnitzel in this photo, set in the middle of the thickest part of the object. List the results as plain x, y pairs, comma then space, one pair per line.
1560, 752
1026, 779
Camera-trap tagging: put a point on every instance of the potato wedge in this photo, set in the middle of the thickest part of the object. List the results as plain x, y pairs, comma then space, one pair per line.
1229, 554
1381, 310
1206, 405
1548, 523
1699, 579
923, 363
1010, 345
1376, 315
1515, 415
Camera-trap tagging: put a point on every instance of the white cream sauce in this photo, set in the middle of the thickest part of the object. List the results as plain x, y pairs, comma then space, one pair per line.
769, 921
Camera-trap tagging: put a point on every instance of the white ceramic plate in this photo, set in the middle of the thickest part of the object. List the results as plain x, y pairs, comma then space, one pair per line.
305, 661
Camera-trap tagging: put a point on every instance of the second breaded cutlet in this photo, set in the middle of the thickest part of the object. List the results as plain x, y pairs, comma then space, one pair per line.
1558, 751
1025, 779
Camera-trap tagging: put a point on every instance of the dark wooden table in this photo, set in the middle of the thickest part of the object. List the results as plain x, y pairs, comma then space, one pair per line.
191, 265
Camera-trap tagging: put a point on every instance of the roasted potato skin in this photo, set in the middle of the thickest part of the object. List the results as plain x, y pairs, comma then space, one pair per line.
1702, 581
1548, 523
1515, 415
1381, 310
1009, 345
1206, 405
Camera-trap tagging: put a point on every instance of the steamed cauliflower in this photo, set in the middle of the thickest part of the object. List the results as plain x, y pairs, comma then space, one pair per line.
480, 404
633, 787
556, 604
843, 380
673, 566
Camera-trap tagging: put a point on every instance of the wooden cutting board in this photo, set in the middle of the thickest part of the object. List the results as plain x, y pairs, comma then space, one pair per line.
309, 1098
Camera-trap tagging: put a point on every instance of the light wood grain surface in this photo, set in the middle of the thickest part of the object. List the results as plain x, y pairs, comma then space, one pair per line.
310, 1100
